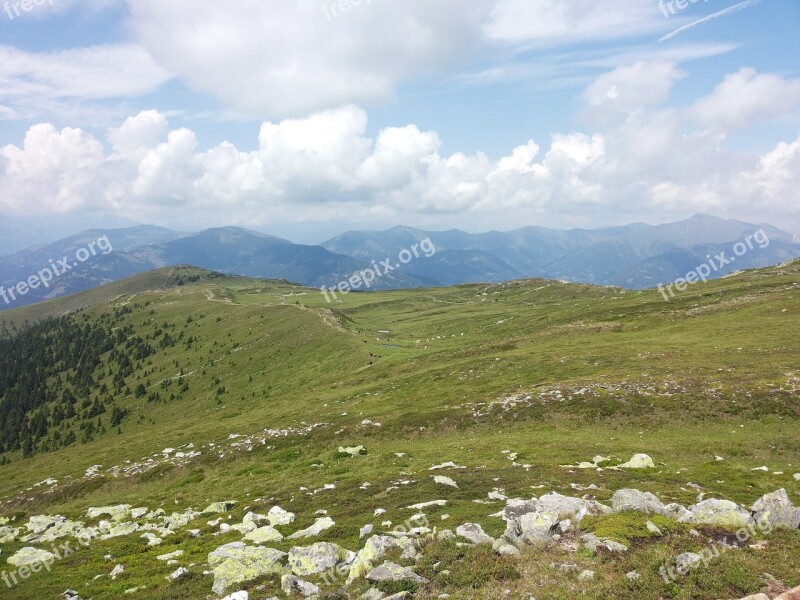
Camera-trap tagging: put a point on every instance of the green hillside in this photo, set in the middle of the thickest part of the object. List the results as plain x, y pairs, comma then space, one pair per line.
266, 381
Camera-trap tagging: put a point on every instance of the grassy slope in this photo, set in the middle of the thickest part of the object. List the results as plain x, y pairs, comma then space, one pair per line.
712, 372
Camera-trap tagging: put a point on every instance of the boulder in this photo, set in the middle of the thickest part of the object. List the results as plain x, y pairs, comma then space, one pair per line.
776, 510
593, 543
264, 535
442, 480
631, 499
389, 571
278, 516
532, 528
8, 534
721, 512
294, 585
567, 507
220, 507
236, 563
371, 553
31, 556
678, 513
638, 461
318, 527
474, 533
116, 513
318, 558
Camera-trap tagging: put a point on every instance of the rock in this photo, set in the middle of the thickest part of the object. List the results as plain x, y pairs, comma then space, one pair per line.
70, 595
401, 596
776, 510
238, 596
318, 558
27, 557
756, 597
220, 507
389, 571
8, 534
117, 513
793, 594
318, 527
796, 476
593, 543
120, 530
177, 574
353, 450
373, 551
264, 535
532, 528
138, 513
474, 533
152, 539
41, 523
638, 461
442, 480
653, 528
721, 512
278, 516
373, 594
633, 575
117, 571
516, 507
366, 530
678, 513
294, 585
244, 527
424, 505
586, 576
686, 561
170, 556
630, 499
236, 563
503, 548
567, 507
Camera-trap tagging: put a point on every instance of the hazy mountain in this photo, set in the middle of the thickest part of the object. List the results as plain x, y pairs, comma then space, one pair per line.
634, 256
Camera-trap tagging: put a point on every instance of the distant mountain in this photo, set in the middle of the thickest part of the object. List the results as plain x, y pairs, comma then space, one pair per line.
633, 256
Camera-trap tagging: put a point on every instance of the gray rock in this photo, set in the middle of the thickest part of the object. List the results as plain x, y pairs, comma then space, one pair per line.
533, 528
678, 513
474, 533
318, 558
294, 585
686, 561
278, 516
389, 571
567, 507
721, 512
776, 510
593, 543
264, 535
220, 507
27, 557
318, 527
586, 576
653, 528
630, 499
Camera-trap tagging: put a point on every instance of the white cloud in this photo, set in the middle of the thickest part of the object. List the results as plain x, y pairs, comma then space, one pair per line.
746, 97
640, 156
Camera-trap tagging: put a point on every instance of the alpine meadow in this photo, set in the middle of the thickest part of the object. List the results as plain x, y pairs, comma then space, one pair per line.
391, 300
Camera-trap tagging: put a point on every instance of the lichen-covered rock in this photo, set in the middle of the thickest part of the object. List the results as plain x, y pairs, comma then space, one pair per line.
278, 516
220, 507
534, 528
638, 461
389, 571
370, 554
120, 530
318, 558
318, 527
236, 563
567, 507
116, 513
264, 535
630, 499
31, 556
593, 543
721, 512
678, 513
353, 450
8, 534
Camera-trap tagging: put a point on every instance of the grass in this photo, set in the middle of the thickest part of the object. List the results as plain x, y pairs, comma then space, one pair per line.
597, 371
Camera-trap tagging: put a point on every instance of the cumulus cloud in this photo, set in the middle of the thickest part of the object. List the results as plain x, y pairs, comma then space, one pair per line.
639, 155
746, 97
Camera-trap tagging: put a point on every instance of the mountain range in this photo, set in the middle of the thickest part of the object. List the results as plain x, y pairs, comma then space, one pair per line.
633, 256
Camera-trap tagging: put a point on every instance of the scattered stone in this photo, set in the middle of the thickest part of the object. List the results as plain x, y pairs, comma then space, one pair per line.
533, 528
567, 507
653, 528
152, 539
238, 596
220, 507
170, 556
294, 585
593, 543
442, 480
686, 561
638, 461
389, 571
777, 510
177, 574
353, 450
318, 527
264, 535
633, 575
474, 533
586, 576
117, 513
278, 516
424, 505
446, 465
366, 530
117, 571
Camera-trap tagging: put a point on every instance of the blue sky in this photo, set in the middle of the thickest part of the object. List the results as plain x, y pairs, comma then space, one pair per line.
304, 118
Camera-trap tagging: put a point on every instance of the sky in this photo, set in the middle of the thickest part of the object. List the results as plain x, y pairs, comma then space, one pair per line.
305, 118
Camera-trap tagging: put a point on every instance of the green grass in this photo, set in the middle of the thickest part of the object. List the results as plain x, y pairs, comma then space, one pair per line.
713, 372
